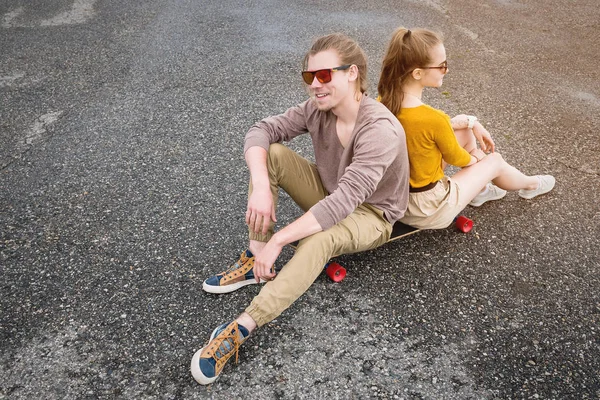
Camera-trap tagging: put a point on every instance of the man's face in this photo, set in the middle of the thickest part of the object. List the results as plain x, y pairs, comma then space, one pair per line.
328, 96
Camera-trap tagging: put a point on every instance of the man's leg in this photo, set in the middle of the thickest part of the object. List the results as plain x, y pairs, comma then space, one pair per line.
364, 229
300, 179
297, 176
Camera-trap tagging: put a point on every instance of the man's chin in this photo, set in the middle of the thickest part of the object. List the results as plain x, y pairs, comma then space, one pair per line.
321, 106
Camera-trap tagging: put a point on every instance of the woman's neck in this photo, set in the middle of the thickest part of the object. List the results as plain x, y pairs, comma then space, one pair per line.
411, 97
412, 92
414, 96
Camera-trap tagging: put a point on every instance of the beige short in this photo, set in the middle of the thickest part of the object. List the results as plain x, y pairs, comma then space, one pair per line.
435, 208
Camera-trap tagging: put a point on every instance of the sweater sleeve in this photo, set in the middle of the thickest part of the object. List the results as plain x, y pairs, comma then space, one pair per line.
279, 128
445, 139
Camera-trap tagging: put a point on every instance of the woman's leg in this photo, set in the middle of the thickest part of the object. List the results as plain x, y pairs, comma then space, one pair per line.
492, 168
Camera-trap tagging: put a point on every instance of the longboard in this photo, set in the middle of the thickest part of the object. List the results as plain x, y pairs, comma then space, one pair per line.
337, 273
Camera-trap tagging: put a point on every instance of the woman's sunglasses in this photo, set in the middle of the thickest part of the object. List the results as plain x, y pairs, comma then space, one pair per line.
443, 68
322, 75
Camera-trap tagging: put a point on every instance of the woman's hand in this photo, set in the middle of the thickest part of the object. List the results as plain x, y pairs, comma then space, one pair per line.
486, 143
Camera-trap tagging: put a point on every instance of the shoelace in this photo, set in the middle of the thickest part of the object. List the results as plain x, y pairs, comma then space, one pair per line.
228, 342
237, 264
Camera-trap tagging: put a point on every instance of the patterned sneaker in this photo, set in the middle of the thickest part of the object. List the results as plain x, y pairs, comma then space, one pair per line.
224, 342
491, 192
236, 276
546, 184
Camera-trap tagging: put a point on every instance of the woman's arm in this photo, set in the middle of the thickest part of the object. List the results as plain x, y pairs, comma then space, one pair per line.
460, 121
463, 121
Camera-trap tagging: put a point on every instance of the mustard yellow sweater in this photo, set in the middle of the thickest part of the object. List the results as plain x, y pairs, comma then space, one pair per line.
429, 139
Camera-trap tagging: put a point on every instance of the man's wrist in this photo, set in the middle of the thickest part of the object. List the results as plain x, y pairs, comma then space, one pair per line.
277, 239
261, 184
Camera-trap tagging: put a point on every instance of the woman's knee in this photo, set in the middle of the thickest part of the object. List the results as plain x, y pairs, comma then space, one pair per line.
495, 159
493, 164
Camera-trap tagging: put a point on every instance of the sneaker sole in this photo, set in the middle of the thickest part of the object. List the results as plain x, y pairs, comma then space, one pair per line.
477, 204
195, 365
229, 288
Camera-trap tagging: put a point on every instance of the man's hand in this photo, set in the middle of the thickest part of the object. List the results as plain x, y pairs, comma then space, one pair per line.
264, 262
486, 143
261, 210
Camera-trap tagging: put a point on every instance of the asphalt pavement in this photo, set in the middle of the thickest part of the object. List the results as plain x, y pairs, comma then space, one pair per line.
123, 186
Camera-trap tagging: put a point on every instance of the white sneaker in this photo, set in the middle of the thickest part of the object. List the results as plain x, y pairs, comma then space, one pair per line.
491, 192
546, 183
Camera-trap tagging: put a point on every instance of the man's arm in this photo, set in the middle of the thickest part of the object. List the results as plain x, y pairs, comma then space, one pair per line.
304, 226
261, 210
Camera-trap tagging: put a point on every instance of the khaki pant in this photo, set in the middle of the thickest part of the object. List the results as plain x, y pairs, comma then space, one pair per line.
364, 229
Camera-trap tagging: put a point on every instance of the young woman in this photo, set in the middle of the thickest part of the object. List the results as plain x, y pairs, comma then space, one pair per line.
413, 61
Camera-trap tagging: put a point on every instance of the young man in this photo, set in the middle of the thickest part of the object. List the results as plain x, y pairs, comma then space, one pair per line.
352, 195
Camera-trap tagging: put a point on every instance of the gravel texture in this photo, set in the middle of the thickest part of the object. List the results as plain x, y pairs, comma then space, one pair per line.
123, 186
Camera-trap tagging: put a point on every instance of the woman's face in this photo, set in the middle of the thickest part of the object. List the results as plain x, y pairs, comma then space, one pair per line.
433, 74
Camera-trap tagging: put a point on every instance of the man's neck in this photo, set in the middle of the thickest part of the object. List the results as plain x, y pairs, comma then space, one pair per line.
347, 111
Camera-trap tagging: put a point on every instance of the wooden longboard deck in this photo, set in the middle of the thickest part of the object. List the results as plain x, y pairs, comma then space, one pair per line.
399, 231
337, 273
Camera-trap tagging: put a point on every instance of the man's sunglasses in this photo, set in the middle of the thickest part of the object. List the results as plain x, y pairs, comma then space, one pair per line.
322, 75
443, 68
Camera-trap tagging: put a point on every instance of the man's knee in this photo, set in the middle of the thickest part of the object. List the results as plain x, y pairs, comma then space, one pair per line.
276, 154
276, 150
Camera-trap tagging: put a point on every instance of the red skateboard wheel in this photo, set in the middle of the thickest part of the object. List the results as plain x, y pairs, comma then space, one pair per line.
335, 272
464, 224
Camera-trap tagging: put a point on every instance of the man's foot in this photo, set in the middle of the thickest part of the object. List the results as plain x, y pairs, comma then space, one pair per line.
490, 192
546, 184
224, 342
236, 276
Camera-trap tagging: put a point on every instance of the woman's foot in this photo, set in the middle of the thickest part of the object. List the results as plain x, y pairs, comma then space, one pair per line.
545, 184
490, 192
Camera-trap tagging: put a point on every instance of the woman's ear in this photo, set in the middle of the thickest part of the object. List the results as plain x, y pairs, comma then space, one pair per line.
417, 74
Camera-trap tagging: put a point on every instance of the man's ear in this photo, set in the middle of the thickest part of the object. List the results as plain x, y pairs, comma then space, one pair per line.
353, 73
